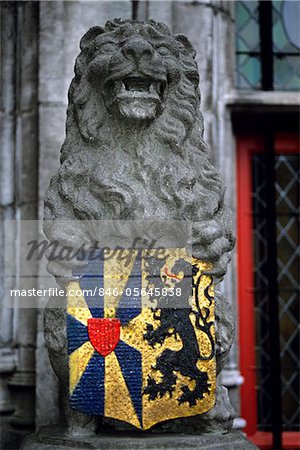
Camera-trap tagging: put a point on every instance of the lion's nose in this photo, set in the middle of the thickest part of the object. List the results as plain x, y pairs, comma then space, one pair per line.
137, 48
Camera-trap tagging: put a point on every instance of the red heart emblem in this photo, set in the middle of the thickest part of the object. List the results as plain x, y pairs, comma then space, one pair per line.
104, 334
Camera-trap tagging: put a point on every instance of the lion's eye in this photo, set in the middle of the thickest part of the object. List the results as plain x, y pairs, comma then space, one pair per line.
164, 51
188, 185
108, 47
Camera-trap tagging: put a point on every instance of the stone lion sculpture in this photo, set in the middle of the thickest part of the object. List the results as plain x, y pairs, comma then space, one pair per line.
134, 149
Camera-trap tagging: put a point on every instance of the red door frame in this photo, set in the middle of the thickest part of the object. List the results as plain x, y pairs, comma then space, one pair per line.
248, 145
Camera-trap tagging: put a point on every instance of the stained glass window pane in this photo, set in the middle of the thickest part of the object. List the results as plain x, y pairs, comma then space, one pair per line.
286, 73
248, 67
247, 26
286, 44
286, 29
248, 74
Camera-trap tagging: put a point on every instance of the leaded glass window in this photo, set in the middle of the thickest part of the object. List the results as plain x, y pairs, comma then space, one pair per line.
268, 44
288, 266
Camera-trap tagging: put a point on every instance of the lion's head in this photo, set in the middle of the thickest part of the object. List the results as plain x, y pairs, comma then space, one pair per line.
133, 66
131, 70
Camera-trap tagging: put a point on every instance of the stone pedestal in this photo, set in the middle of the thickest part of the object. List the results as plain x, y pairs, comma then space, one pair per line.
49, 438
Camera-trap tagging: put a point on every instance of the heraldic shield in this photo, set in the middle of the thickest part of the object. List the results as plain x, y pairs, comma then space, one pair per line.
141, 337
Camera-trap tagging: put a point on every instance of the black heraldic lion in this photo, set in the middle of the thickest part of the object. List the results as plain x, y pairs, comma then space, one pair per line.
134, 145
176, 321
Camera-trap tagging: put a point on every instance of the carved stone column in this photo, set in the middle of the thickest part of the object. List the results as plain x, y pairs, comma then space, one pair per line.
18, 202
7, 190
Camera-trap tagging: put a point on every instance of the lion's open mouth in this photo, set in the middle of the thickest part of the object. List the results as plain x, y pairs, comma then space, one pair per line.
143, 87
139, 97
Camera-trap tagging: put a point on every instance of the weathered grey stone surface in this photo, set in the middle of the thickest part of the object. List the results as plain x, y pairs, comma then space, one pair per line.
53, 438
134, 149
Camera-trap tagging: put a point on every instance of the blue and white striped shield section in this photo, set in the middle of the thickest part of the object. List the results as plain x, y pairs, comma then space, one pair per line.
141, 337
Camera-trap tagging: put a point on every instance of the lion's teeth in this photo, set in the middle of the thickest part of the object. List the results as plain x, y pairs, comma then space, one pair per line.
153, 88
157, 88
